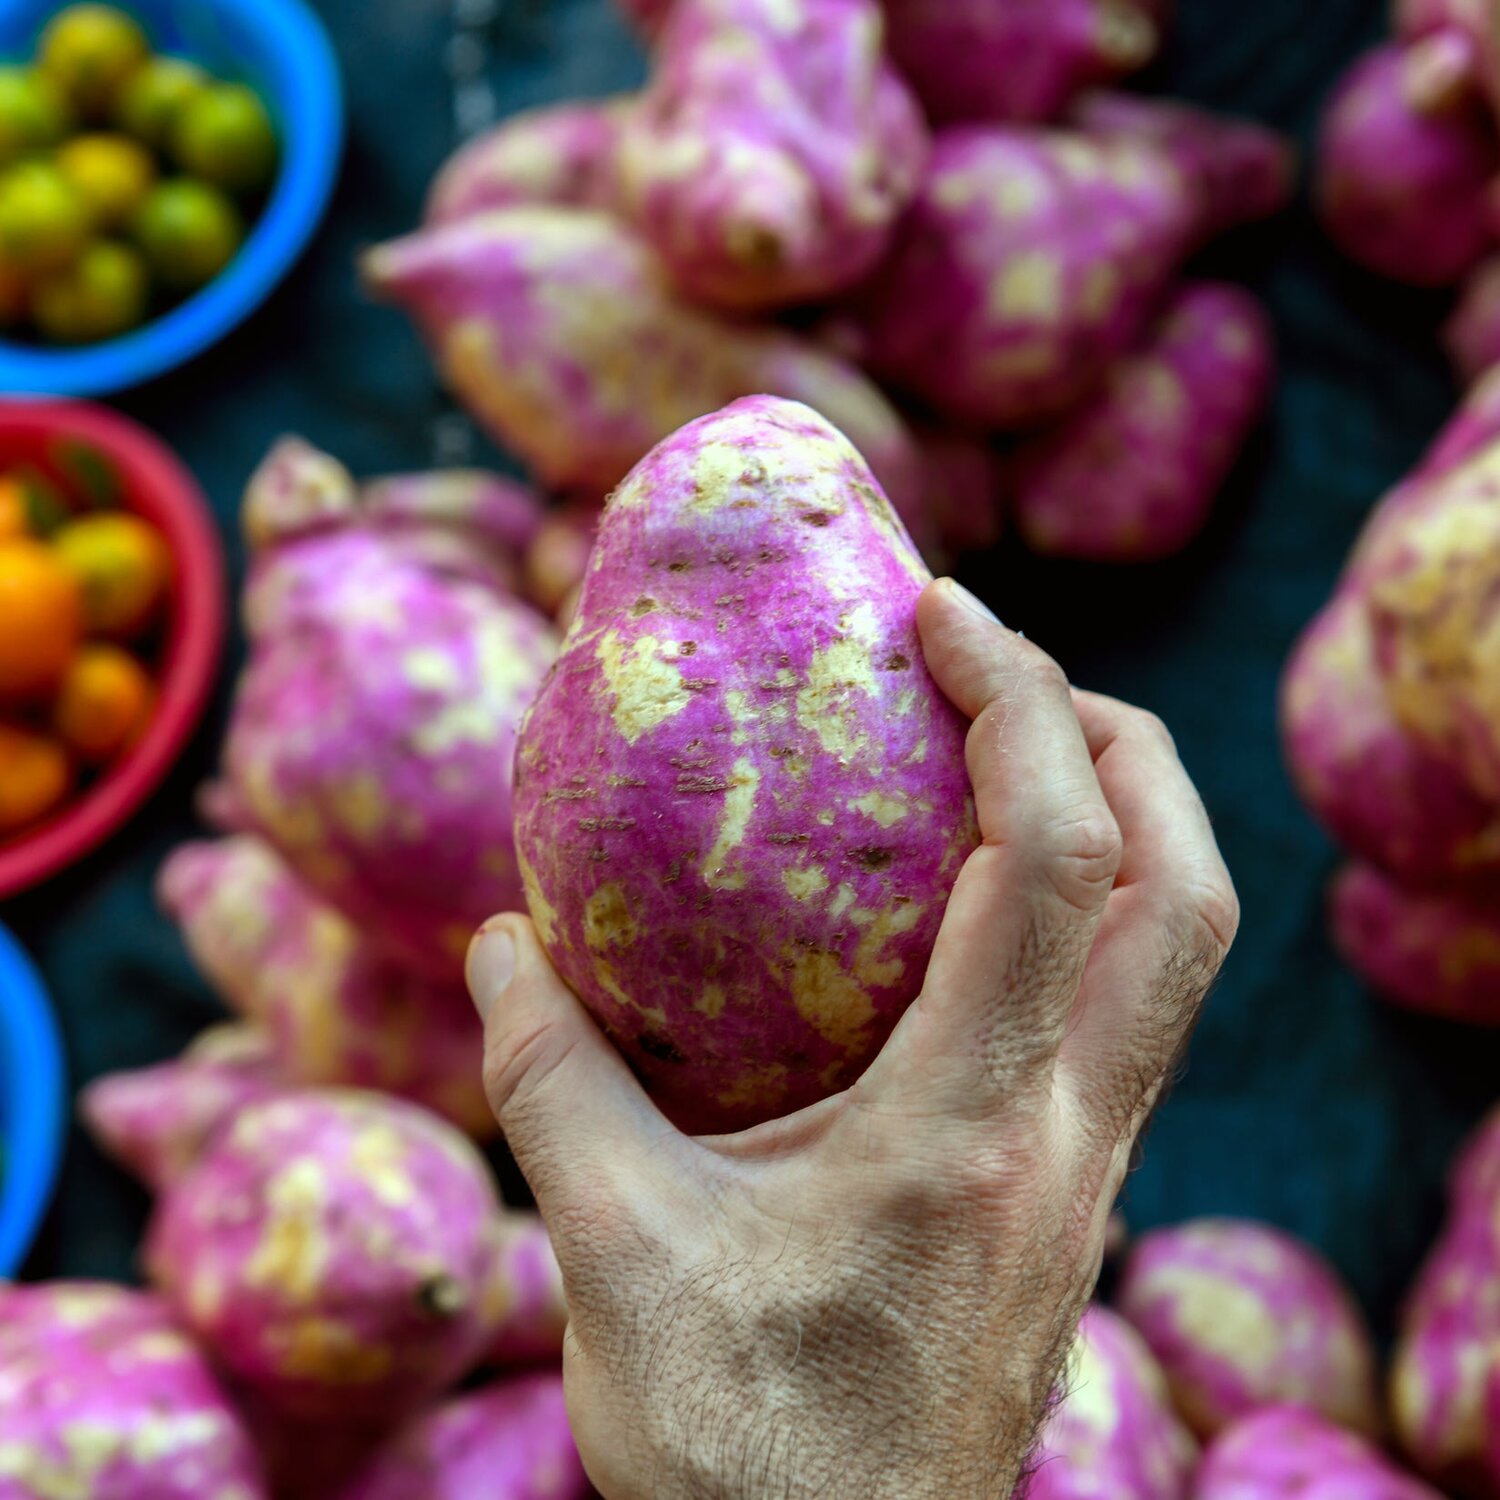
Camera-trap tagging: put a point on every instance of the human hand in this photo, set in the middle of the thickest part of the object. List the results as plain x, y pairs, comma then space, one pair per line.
873, 1297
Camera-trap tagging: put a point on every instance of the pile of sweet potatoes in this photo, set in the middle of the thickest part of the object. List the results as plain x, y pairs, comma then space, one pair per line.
930, 222
1392, 728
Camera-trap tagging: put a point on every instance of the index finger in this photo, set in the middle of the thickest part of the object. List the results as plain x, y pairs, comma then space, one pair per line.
1022, 915
1169, 923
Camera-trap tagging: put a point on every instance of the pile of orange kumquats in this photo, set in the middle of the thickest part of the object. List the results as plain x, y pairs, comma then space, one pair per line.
83, 583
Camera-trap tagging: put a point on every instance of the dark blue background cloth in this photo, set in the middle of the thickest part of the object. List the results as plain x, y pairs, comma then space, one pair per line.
1305, 1102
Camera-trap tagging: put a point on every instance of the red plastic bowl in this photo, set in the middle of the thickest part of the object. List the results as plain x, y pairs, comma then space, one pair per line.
156, 486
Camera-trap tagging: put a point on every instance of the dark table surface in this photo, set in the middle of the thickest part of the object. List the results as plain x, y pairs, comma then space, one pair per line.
1305, 1102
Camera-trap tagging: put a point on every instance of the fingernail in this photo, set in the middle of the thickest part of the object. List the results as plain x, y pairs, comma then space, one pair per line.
490, 968
972, 602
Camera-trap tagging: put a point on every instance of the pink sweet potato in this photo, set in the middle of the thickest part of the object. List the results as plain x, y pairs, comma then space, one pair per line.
525, 1308
1133, 474
771, 150
1435, 951
333, 1251
741, 800
372, 733
647, 15
1242, 172
331, 1008
963, 486
1024, 60
1445, 1357
157, 1121
560, 330
1404, 165
1370, 785
1472, 333
1472, 50
560, 153
1290, 1453
1031, 261
505, 1442
1435, 608
1113, 1433
1242, 1316
557, 559
103, 1398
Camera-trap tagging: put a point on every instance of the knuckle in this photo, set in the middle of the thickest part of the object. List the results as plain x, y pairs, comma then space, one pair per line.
517, 1065
1153, 727
1216, 909
1042, 672
1084, 856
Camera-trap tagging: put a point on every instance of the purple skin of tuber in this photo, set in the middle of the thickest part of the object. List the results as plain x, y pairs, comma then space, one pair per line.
561, 153
1114, 1432
1405, 166
1024, 60
1471, 49
157, 1121
1472, 333
1241, 171
331, 1009
748, 898
1370, 785
334, 1252
1031, 261
1444, 1362
1242, 1316
647, 15
1290, 1453
1133, 474
561, 331
1431, 582
102, 1395
558, 558
504, 1442
1435, 951
771, 151
965, 487
372, 733
525, 1305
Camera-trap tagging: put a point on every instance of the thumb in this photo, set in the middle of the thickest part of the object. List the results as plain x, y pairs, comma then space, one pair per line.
565, 1098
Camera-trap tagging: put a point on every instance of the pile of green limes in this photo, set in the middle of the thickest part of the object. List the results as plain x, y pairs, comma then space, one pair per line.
126, 177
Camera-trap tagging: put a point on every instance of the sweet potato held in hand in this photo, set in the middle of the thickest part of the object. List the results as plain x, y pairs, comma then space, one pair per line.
741, 800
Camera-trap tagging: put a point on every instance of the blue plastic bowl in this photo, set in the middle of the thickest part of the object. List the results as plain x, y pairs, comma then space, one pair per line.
33, 1103
281, 49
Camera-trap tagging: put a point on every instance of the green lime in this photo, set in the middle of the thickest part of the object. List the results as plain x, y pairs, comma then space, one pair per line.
89, 51
102, 294
112, 172
44, 221
33, 115
189, 232
153, 97
226, 137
